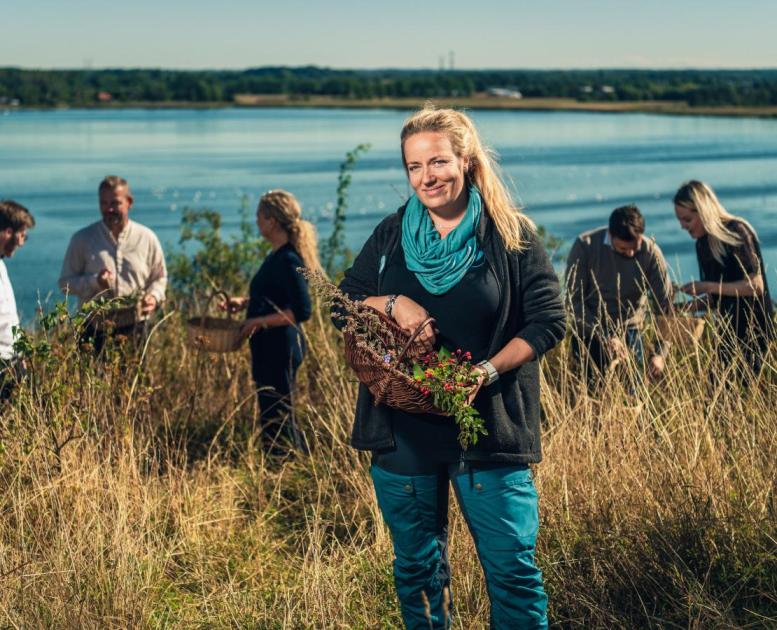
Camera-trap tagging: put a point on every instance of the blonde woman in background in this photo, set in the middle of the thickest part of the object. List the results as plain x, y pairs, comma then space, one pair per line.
460, 251
731, 268
277, 303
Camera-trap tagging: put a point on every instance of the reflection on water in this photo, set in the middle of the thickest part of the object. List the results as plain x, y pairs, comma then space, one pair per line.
569, 170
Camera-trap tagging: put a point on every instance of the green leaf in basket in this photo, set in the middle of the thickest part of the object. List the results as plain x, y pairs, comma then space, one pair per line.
443, 354
418, 371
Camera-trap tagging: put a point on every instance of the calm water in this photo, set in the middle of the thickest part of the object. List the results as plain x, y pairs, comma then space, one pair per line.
569, 169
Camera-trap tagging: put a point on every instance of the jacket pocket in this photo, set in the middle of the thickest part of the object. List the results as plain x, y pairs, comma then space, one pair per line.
511, 432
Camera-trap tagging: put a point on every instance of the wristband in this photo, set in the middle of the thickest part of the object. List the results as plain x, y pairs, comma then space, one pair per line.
491, 374
390, 303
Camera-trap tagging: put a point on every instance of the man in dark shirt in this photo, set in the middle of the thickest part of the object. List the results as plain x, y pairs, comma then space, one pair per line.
612, 272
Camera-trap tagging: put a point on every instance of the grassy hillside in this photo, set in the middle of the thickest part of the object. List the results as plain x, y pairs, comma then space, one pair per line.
134, 494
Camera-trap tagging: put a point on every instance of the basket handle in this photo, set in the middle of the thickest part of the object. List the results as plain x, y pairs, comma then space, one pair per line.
216, 293
413, 337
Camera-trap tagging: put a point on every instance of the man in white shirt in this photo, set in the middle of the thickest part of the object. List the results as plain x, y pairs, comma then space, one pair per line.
15, 220
115, 257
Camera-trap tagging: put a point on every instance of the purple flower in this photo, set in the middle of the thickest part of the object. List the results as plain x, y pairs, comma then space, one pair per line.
387, 358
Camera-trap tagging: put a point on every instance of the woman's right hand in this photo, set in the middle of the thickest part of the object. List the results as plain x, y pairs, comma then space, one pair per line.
233, 304
410, 315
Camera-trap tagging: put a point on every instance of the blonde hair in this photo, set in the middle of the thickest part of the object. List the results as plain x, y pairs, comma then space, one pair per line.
698, 197
483, 170
286, 210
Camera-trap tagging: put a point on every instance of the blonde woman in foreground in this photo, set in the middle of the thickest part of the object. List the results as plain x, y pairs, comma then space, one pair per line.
278, 302
731, 267
460, 251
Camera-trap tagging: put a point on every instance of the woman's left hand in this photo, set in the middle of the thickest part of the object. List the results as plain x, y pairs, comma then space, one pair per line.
482, 374
698, 287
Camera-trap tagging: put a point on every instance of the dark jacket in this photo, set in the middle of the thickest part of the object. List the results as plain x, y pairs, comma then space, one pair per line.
530, 308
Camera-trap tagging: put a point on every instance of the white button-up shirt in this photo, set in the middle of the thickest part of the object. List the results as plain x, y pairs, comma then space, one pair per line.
135, 259
8, 315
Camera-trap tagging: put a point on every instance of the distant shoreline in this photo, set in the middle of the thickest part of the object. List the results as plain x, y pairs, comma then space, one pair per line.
513, 104
248, 101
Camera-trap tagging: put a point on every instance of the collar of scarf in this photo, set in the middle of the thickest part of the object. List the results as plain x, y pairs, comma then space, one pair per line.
439, 264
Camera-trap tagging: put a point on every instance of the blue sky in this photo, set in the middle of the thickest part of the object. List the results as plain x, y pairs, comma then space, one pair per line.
400, 34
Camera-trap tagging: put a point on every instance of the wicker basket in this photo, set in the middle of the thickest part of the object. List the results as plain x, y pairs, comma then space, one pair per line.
388, 385
680, 330
214, 334
107, 318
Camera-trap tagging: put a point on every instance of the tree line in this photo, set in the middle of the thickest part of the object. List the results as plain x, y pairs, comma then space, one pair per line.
49, 88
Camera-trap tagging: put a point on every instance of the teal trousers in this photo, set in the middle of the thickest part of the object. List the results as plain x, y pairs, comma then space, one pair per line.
500, 508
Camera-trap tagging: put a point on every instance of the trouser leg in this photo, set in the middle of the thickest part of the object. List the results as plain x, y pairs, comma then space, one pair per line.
11, 372
276, 411
93, 338
415, 510
592, 359
636, 344
99, 337
500, 507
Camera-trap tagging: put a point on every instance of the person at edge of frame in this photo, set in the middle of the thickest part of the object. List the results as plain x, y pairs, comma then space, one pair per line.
15, 220
115, 257
733, 282
278, 302
460, 251
613, 275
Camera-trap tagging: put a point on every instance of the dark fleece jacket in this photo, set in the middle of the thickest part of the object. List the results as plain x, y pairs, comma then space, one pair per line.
530, 308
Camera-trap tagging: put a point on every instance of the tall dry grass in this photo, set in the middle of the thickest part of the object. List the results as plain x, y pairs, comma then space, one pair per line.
135, 494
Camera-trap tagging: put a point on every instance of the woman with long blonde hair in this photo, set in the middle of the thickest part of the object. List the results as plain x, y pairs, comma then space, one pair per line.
461, 251
277, 304
731, 266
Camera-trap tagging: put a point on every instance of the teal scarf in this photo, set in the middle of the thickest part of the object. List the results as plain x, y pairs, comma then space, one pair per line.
439, 264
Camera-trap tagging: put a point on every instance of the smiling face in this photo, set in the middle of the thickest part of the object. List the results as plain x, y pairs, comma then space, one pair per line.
690, 221
436, 173
115, 204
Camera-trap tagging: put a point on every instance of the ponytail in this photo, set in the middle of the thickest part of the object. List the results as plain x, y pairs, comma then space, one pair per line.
303, 238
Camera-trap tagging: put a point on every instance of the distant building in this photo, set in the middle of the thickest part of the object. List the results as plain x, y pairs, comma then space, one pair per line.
586, 89
104, 97
504, 92
607, 89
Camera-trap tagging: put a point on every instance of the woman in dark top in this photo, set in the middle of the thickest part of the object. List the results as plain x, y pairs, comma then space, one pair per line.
732, 273
461, 252
278, 302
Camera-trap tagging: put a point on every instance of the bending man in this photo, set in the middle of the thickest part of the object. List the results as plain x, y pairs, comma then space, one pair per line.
612, 273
